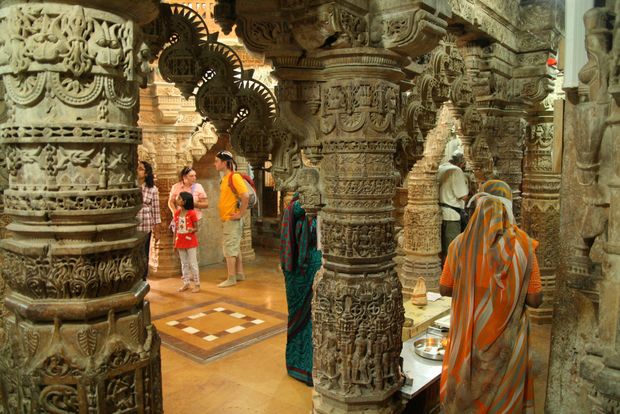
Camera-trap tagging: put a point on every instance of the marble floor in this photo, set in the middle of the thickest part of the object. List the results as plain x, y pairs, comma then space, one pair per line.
241, 370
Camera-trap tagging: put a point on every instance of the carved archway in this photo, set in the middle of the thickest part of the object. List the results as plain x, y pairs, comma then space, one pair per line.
225, 95
443, 83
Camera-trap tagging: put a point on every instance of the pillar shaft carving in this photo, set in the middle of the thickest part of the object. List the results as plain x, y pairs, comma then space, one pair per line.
357, 306
71, 76
422, 237
600, 177
159, 147
509, 131
502, 105
541, 201
4, 219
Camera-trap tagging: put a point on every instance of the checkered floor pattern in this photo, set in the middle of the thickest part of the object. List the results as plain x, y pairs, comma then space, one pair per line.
212, 336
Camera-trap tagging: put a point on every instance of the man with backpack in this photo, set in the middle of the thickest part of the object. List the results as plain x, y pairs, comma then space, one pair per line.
234, 198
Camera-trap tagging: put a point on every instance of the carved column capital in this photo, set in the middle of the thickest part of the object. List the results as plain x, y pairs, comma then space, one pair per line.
407, 28
401, 26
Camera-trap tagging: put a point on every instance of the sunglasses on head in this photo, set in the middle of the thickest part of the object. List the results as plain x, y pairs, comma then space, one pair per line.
224, 155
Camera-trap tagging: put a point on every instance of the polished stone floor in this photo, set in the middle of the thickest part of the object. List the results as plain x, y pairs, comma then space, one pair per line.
241, 370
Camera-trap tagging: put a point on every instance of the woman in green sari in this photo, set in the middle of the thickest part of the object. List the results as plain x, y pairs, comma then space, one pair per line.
300, 261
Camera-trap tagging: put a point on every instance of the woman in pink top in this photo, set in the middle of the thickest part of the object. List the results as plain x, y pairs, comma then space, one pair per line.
188, 184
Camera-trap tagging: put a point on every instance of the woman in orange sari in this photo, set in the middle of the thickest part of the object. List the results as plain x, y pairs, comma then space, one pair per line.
491, 272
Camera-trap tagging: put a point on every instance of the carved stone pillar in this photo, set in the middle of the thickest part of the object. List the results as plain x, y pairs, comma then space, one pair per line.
422, 241
541, 202
357, 307
502, 108
160, 148
168, 264
247, 252
586, 316
509, 145
298, 129
79, 334
4, 219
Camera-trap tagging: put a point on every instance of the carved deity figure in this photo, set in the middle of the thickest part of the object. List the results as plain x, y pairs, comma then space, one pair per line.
378, 345
347, 363
359, 366
594, 145
328, 357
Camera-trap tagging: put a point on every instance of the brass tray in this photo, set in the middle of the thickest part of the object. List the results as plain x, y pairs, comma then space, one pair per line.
429, 348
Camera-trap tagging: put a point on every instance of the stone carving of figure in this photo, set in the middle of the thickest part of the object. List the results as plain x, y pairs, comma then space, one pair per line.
595, 73
359, 366
592, 147
377, 345
328, 357
346, 366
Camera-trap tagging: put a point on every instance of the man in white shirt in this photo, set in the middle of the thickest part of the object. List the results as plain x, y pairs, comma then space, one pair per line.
453, 191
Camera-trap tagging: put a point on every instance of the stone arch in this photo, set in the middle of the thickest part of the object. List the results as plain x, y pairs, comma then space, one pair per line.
201, 67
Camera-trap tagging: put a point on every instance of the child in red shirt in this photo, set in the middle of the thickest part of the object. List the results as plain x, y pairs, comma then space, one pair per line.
185, 240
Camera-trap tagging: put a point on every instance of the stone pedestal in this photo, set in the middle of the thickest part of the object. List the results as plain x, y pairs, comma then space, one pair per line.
79, 336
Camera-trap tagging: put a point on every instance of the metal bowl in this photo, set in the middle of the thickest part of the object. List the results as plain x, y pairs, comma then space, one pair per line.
429, 348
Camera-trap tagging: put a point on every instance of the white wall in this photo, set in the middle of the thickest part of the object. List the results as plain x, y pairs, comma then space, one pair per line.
574, 48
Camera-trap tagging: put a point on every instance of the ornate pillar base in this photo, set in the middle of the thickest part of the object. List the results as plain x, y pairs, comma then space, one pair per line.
323, 404
112, 365
415, 266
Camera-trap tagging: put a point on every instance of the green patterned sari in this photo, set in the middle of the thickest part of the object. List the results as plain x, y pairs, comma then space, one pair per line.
300, 261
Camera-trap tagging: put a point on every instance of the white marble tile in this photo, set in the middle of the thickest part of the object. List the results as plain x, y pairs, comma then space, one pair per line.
235, 329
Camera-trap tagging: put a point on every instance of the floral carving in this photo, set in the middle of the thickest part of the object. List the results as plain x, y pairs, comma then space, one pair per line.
87, 338
72, 277
59, 399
